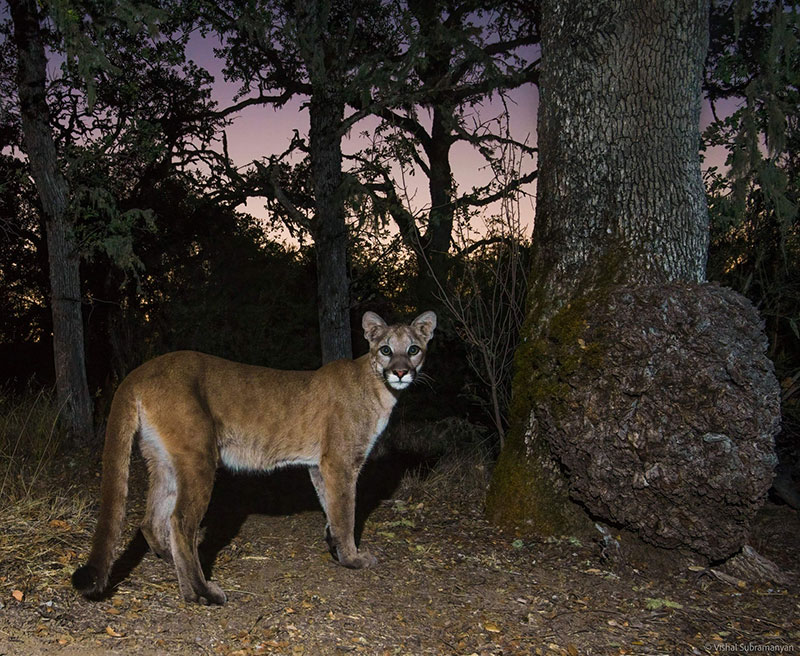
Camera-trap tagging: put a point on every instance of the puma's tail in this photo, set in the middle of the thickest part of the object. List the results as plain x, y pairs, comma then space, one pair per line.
123, 422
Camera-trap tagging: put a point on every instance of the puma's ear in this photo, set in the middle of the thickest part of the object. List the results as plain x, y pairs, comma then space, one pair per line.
372, 325
425, 324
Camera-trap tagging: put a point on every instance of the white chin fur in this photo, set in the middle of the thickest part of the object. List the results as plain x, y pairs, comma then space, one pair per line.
395, 383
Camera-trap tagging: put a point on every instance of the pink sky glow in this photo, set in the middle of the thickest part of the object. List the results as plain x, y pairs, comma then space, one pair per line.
259, 131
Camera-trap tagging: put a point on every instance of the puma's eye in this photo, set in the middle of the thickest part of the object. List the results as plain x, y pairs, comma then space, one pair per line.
413, 349
385, 350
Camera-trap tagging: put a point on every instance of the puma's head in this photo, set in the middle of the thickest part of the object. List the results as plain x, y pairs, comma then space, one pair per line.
397, 352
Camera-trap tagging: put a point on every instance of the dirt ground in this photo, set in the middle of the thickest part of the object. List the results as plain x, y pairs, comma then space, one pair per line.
446, 582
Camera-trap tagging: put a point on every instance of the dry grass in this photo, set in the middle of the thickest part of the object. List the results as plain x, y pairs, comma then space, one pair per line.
458, 474
40, 505
30, 438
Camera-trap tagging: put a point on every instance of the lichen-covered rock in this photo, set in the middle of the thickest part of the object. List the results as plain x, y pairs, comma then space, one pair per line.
666, 414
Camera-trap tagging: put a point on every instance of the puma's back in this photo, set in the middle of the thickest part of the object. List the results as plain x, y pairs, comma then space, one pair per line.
194, 412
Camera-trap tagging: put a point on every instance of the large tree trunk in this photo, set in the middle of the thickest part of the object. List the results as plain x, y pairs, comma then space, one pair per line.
330, 234
320, 43
620, 205
620, 190
64, 260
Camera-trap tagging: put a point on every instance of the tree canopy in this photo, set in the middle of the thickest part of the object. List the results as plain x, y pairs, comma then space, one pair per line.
399, 90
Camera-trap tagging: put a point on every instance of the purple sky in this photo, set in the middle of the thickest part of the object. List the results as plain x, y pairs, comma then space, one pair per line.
260, 131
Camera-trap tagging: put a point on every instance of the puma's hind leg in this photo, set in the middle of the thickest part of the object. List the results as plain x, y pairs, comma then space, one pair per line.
181, 455
161, 495
195, 480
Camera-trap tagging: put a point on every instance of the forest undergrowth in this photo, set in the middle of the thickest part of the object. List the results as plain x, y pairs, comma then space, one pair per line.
447, 582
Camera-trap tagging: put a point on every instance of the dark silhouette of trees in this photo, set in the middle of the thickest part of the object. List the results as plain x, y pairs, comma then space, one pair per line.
396, 62
117, 118
322, 51
751, 80
457, 55
753, 204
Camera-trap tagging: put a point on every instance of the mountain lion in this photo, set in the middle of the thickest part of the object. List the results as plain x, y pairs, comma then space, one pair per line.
194, 411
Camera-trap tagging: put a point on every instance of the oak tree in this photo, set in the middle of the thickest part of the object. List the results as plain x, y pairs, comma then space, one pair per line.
641, 393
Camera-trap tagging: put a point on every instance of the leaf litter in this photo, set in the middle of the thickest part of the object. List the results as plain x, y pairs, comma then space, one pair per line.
447, 582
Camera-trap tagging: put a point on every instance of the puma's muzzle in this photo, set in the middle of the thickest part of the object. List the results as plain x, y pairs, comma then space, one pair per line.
399, 379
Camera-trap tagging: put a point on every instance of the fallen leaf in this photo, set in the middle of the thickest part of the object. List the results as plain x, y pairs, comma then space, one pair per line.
67, 557
491, 627
18, 595
656, 604
113, 633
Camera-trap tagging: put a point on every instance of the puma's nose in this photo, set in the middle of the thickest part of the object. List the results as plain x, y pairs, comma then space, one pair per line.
400, 373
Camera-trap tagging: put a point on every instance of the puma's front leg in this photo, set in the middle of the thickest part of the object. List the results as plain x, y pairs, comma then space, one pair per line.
340, 506
319, 486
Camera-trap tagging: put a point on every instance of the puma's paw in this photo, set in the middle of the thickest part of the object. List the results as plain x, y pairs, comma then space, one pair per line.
361, 560
213, 595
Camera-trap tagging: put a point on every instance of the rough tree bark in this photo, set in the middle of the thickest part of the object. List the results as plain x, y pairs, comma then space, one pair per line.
322, 46
330, 234
621, 207
64, 260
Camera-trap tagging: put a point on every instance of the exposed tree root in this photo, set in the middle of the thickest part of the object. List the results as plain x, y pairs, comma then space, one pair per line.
752, 567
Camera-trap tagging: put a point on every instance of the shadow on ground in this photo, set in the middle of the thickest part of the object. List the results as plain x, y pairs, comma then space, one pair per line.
285, 491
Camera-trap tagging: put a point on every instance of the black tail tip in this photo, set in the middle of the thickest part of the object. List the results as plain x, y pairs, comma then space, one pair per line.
85, 580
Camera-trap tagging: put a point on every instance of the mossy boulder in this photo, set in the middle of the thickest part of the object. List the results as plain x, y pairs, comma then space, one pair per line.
662, 406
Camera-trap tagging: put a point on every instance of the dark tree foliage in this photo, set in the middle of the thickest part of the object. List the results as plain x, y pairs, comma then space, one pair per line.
452, 57
37, 140
752, 80
324, 51
25, 322
161, 267
209, 282
71, 126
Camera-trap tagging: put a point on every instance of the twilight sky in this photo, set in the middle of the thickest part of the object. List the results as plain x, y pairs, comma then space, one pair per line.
260, 131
